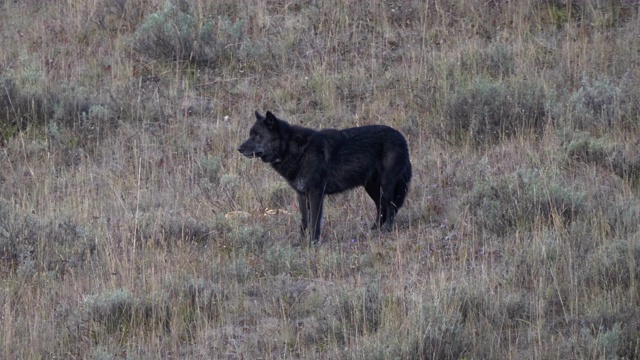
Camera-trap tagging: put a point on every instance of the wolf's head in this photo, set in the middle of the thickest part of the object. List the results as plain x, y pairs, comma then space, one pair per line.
265, 140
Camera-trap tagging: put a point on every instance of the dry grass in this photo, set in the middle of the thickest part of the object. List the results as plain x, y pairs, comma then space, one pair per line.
118, 127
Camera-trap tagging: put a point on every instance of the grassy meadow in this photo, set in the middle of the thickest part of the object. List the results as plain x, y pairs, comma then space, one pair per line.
131, 228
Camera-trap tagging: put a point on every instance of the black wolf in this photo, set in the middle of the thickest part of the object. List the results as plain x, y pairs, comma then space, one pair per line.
318, 163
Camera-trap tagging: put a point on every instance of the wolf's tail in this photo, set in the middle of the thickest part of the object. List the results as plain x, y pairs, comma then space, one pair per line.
402, 187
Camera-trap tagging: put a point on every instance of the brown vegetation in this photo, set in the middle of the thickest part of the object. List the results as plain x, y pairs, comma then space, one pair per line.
119, 120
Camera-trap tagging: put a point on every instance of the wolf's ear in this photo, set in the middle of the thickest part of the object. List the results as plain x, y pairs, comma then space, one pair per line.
270, 121
258, 116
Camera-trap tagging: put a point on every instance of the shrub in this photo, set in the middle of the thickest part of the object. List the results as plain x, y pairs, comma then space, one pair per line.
203, 299
430, 332
18, 235
175, 34
29, 243
121, 15
360, 311
516, 201
613, 157
20, 108
251, 237
600, 342
613, 265
171, 229
589, 150
209, 168
118, 311
439, 335
496, 62
499, 61
283, 259
145, 100
113, 309
595, 103
604, 103
488, 112
624, 217
66, 107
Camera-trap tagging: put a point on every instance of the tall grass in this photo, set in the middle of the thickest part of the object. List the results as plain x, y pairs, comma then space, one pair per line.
131, 228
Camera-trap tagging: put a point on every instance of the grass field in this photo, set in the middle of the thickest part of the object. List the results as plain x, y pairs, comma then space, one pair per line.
131, 228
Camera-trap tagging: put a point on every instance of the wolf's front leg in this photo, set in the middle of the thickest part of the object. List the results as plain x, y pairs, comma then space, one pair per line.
315, 207
303, 204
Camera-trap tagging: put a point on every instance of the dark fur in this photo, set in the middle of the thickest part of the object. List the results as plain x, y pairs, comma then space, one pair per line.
318, 163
